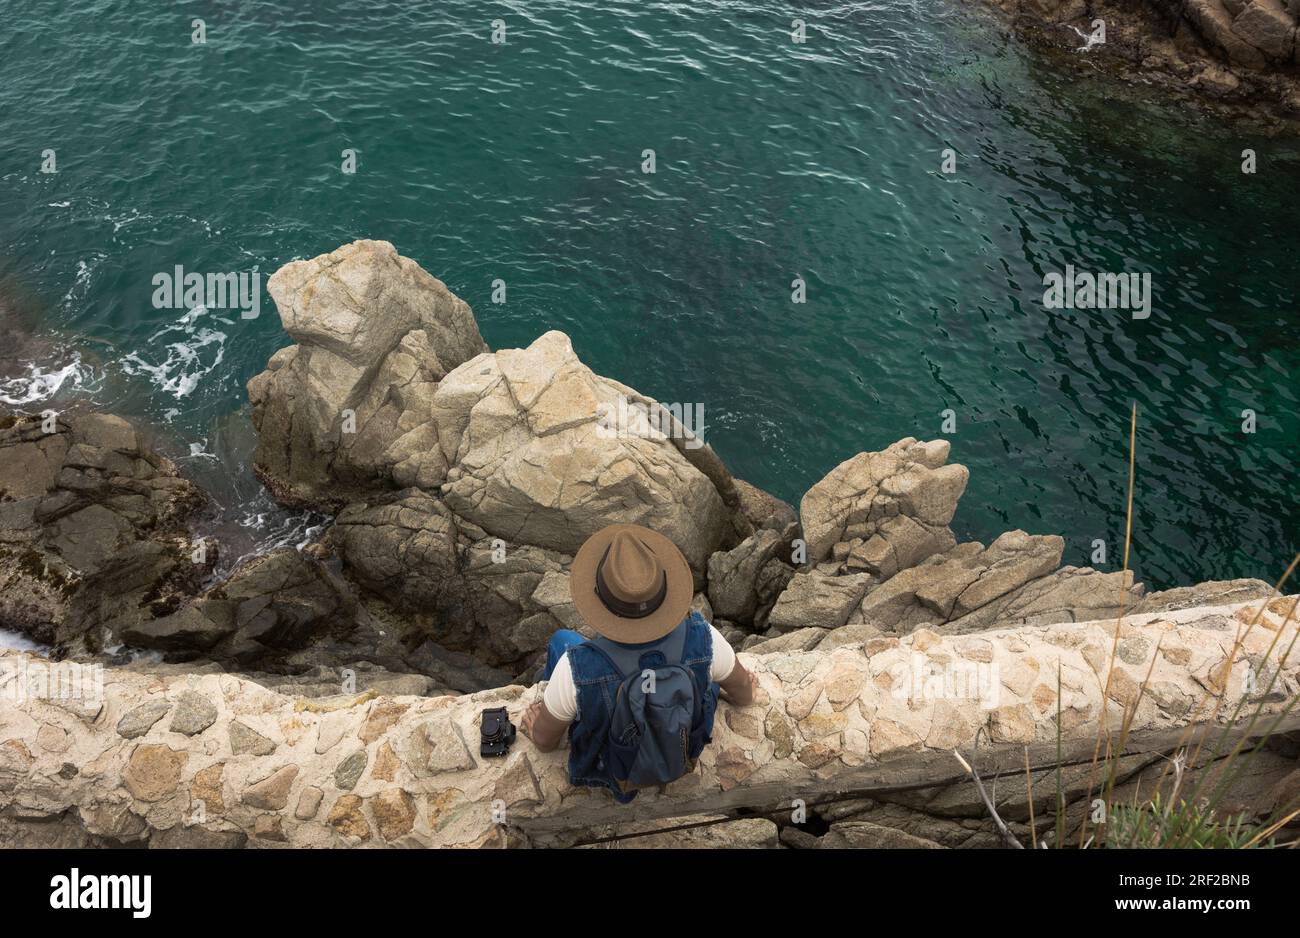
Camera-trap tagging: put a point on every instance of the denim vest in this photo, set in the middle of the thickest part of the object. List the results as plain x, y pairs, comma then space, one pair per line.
597, 683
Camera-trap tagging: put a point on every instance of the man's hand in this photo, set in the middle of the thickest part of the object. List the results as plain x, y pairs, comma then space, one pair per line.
544, 730
741, 686
530, 718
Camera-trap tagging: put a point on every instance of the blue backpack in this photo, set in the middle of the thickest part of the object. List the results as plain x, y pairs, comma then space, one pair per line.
656, 706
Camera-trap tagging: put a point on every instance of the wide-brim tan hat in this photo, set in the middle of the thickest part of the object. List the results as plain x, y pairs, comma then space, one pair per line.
631, 584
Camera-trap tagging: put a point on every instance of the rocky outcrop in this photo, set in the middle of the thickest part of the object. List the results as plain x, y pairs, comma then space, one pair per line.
93, 536
744, 582
346, 410
888, 510
1235, 56
880, 554
214, 760
952, 585
278, 602
391, 387
530, 461
465, 479
500, 600
819, 600
1263, 25
881, 559
470, 477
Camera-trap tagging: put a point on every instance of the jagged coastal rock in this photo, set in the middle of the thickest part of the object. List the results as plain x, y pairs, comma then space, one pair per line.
1238, 56
375, 335
93, 537
313, 697
891, 509
465, 478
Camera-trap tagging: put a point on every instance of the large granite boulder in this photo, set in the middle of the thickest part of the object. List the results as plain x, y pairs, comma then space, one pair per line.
462, 588
745, 581
1011, 561
1214, 23
390, 386
534, 460
818, 600
890, 509
346, 411
93, 533
1267, 26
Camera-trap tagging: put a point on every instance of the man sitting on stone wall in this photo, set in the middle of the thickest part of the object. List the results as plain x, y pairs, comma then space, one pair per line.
639, 699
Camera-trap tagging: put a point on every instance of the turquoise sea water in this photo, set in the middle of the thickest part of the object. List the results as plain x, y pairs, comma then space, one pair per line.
522, 161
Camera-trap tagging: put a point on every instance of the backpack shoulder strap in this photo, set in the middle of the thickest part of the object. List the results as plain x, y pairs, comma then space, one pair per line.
595, 644
627, 659
698, 641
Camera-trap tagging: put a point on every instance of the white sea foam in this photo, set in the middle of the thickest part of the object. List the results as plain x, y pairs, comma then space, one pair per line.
80, 284
196, 348
282, 530
19, 642
42, 382
261, 526
124, 220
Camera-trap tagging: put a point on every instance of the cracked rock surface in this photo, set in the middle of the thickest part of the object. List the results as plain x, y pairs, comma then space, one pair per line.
92, 528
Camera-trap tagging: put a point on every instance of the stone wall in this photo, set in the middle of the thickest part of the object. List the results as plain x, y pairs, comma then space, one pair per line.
186, 759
